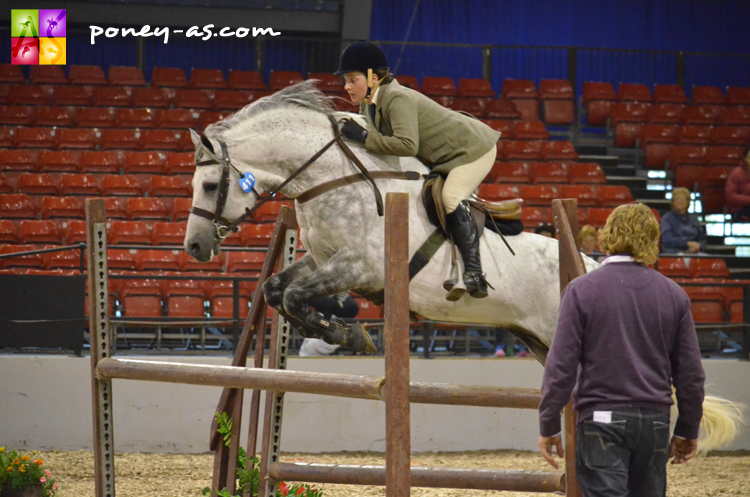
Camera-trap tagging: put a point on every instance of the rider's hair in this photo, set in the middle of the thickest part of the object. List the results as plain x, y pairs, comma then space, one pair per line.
631, 229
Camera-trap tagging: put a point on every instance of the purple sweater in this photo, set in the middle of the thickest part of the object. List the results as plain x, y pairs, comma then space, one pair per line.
631, 332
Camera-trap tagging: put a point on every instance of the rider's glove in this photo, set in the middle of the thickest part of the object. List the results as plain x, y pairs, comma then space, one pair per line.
354, 131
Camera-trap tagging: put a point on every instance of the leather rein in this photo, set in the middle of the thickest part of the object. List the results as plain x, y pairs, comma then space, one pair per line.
225, 227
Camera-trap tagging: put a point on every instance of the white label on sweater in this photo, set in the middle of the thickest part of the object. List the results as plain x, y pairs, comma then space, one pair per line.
603, 416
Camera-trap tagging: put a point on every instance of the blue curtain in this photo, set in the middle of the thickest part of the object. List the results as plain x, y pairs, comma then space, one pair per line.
682, 25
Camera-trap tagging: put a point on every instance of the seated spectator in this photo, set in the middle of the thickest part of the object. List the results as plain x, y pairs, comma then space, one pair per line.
738, 190
342, 306
545, 230
587, 239
681, 232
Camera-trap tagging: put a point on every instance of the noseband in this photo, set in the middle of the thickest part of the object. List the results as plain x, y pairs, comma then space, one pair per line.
225, 227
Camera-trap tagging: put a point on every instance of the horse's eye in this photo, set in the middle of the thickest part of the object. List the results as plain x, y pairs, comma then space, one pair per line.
210, 187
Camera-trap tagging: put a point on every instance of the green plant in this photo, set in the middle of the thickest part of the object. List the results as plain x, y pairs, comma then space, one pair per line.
20, 471
248, 478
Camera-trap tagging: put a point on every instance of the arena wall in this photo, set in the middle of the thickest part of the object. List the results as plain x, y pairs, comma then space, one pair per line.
46, 404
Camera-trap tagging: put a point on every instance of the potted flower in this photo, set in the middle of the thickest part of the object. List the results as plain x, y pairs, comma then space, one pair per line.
23, 475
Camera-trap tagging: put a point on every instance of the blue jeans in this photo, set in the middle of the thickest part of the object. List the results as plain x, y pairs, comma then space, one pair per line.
625, 458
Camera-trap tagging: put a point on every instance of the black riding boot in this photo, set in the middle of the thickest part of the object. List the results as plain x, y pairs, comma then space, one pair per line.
466, 238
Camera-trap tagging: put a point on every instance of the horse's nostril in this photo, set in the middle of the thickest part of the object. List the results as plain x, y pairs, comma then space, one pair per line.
195, 250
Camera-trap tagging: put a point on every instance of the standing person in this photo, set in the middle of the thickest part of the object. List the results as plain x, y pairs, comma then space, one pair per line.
738, 190
405, 123
625, 332
681, 231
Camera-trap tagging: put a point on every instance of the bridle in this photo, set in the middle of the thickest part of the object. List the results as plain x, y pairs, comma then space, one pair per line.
223, 226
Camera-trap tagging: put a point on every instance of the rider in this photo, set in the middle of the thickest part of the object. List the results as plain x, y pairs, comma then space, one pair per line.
403, 122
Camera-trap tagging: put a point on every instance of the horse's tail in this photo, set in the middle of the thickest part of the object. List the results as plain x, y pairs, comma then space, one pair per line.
721, 422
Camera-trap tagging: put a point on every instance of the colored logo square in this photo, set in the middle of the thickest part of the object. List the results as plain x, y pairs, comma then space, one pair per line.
52, 51
24, 51
24, 23
52, 23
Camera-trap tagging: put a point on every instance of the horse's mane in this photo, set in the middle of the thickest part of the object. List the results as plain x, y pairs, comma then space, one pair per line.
303, 94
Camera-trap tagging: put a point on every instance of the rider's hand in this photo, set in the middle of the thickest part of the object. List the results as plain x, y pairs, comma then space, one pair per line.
354, 131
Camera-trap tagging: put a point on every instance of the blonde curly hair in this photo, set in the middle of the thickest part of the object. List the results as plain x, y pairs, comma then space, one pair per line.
631, 229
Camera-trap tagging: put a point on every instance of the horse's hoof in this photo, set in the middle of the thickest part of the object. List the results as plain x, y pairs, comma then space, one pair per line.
449, 284
359, 340
455, 294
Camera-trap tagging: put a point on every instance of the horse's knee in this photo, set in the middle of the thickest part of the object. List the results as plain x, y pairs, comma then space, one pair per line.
273, 289
295, 301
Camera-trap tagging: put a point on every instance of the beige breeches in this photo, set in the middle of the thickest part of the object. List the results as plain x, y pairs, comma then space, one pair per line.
463, 180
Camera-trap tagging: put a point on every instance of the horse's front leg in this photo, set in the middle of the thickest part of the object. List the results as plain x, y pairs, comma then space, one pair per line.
340, 273
275, 286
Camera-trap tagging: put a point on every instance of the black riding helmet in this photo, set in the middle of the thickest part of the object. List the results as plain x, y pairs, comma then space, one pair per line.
361, 56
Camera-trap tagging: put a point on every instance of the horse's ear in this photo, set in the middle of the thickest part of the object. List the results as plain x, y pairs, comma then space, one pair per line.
200, 137
195, 137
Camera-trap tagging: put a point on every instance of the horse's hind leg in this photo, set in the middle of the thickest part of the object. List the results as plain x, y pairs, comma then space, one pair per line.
339, 274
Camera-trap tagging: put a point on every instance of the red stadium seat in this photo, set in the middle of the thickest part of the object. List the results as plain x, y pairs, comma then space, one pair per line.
708, 95
665, 114
37, 184
181, 208
498, 191
17, 160
8, 232
712, 185
708, 268
161, 139
17, 115
689, 176
180, 163
368, 310
472, 106
534, 216
269, 211
121, 185
586, 194
11, 74
207, 78
702, 115
687, 155
22, 261
232, 100
129, 232
114, 96
61, 207
169, 186
143, 162
67, 259
657, 140
561, 151
174, 119
168, 233
327, 82
146, 208
192, 99
86, 75
673, 267
730, 135
245, 261
5, 186
79, 184
33, 138
115, 208
257, 235
246, 80
141, 299
57, 161
72, 95
185, 299
706, 306
634, 92
558, 104
724, 156
187, 263
509, 172
598, 98
281, 79
694, 135
523, 93
170, 77
540, 195
99, 162
16, 206
736, 116
613, 195
530, 130
126, 76
75, 139
54, 116
6, 136
502, 109
738, 96
220, 296
150, 97
156, 260
597, 217
75, 232
504, 127
95, 117
523, 150
627, 120
669, 94
475, 87
31, 231
439, 85
30, 94
119, 139
134, 118
544, 172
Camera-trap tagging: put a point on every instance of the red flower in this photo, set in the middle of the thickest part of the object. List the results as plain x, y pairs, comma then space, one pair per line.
301, 490
283, 489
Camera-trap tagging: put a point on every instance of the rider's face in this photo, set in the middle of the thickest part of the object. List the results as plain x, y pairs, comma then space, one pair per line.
355, 84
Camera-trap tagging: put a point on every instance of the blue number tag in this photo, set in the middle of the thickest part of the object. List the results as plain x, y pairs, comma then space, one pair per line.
247, 183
